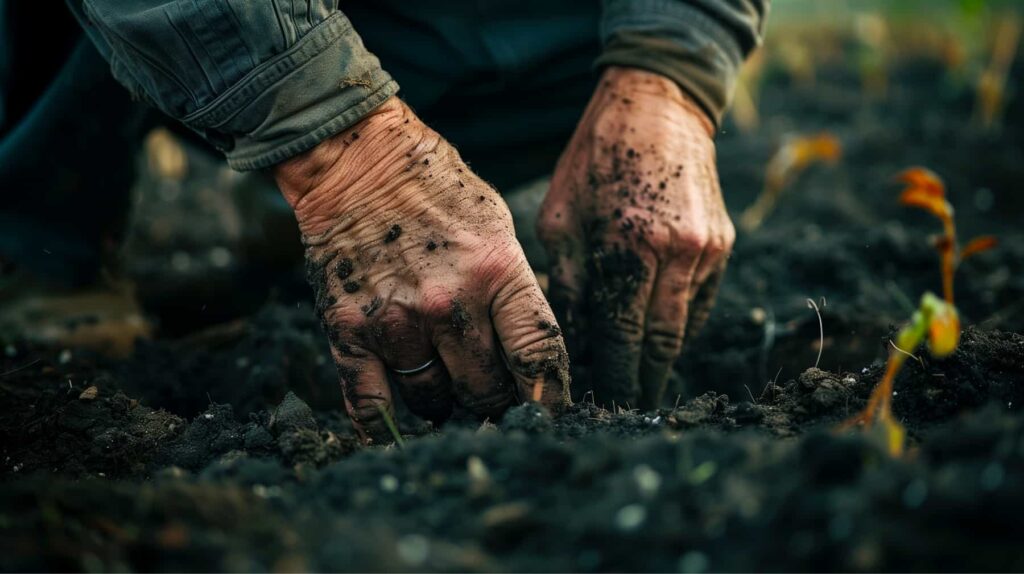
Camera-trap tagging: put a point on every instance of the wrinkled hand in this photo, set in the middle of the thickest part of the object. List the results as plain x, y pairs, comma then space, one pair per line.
412, 258
637, 232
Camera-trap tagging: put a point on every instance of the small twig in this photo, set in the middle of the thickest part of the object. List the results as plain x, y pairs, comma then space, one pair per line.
907, 353
752, 399
391, 426
772, 384
767, 342
821, 329
21, 368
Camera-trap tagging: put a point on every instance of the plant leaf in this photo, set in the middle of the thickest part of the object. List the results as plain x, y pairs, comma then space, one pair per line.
923, 179
924, 199
978, 245
943, 330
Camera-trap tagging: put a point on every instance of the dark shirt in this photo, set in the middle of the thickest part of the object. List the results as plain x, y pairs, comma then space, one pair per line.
264, 80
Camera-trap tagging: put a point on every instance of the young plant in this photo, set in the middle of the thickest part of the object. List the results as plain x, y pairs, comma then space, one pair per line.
926, 191
936, 320
796, 155
992, 83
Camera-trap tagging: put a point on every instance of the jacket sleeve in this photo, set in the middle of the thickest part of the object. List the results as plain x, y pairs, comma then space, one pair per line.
699, 44
262, 80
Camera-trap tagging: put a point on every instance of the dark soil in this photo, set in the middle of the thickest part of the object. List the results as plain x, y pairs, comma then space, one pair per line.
227, 449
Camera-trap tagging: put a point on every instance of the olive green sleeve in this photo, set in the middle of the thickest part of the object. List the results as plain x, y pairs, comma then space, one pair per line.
700, 44
260, 80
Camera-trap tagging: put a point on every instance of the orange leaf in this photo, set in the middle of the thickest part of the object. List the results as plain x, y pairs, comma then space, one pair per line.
808, 149
924, 180
977, 245
926, 200
826, 147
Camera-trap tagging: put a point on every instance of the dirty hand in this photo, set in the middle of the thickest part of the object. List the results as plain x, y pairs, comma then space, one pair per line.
413, 259
637, 233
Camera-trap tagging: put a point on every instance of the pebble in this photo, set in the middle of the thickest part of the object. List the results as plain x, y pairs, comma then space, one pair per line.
479, 476
413, 549
220, 257
89, 394
292, 414
694, 561
388, 483
647, 480
630, 517
181, 261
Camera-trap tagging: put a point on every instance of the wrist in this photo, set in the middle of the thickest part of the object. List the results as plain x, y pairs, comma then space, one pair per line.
637, 83
355, 166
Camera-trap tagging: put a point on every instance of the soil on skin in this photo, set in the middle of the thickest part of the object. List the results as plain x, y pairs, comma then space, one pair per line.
227, 449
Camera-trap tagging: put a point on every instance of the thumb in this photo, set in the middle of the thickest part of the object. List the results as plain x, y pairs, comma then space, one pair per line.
532, 341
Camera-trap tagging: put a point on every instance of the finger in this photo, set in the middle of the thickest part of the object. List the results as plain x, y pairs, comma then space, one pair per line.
710, 272
565, 292
704, 300
405, 345
531, 340
559, 231
620, 281
665, 327
364, 385
465, 342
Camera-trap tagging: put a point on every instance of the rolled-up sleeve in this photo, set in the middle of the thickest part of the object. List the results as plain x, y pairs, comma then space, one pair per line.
700, 44
262, 80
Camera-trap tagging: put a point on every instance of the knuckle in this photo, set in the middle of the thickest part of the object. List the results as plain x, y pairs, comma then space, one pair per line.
541, 357
728, 236
497, 264
436, 302
714, 250
660, 239
494, 401
343, 315
366, 412
663, 345
624, 327
688, 241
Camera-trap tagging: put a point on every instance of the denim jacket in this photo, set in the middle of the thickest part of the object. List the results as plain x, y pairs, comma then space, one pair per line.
264, 80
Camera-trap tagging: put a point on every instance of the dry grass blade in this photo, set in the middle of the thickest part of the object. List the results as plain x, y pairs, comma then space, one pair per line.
821, 330
390, 422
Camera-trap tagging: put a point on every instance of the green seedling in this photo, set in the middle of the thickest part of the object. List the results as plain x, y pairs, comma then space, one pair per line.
936, 319
390, 422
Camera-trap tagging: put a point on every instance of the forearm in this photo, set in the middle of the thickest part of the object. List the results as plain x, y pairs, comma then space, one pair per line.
699, 44
262, 81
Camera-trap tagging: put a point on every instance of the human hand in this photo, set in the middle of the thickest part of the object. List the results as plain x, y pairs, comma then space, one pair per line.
413, 259
637, 233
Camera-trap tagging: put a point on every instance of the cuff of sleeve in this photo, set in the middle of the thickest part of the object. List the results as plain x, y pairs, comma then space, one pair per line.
321, 85
678, 41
